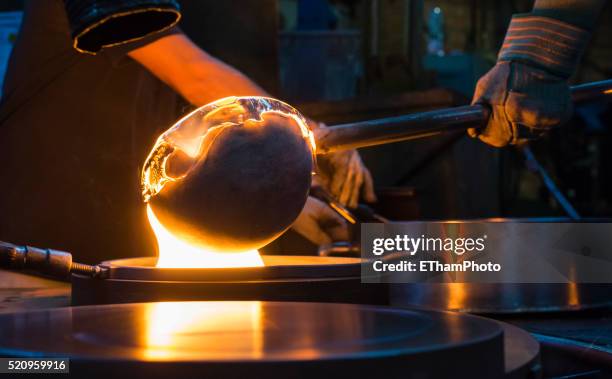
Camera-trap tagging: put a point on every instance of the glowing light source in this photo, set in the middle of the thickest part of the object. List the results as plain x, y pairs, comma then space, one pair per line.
176, 253
193, 237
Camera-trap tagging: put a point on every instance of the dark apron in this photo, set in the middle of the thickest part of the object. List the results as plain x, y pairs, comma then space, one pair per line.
74, 132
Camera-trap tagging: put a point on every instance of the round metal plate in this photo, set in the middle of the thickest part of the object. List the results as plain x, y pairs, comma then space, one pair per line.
276, 267
251, 338
502, 298
522, 353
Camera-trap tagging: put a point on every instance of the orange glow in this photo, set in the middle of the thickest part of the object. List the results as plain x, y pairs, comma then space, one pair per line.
177, 253
573, 297
185, 144
456, 296
175, 329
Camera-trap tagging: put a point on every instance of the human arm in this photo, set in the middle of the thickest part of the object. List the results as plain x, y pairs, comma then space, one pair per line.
527, 90
199, 77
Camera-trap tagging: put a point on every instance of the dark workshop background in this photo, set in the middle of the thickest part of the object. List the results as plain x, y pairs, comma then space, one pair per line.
346, 60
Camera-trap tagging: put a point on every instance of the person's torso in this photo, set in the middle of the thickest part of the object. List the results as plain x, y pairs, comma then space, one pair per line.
74, 132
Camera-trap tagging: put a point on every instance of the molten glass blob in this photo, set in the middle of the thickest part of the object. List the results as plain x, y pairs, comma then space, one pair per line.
226, 180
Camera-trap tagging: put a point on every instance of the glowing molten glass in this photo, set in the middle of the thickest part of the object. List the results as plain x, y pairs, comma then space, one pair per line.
176, 253
226, 180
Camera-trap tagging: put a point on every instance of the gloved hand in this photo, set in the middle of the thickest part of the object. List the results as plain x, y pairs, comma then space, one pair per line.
527, 90
320, 224
345, 176
525, 102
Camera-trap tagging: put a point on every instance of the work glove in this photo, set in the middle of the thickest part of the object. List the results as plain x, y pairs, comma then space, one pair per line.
320, 224
527, 90
345, 176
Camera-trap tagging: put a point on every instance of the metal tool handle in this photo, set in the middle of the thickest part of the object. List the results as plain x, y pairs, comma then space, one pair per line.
425, 124
46, 262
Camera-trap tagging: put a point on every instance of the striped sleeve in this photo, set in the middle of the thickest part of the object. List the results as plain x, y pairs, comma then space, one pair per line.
545, 42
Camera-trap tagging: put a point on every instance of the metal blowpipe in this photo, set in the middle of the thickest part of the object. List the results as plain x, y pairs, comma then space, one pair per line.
418, 125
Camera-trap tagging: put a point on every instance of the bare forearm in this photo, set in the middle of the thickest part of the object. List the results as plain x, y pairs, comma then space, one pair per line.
582, 13
197, 76
211, 80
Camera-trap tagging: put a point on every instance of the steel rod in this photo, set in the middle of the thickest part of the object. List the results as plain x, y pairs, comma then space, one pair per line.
425, 124
550, 184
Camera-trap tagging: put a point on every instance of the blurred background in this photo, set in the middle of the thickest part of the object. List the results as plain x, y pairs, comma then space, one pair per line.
345, 60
